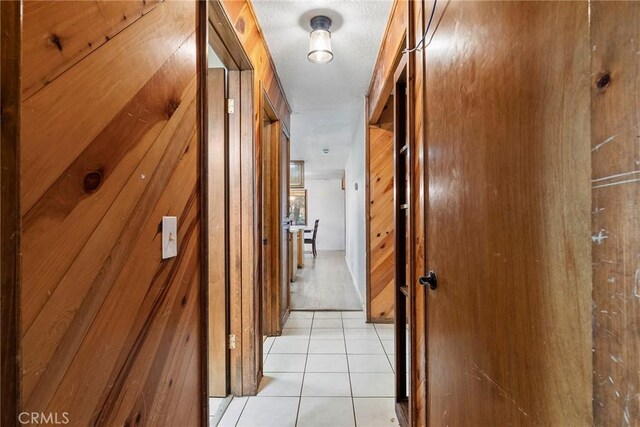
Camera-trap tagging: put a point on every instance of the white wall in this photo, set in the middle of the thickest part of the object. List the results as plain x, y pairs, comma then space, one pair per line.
325, 200
355, 209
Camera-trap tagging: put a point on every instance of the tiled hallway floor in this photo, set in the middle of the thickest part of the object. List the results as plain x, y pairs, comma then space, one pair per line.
329, 368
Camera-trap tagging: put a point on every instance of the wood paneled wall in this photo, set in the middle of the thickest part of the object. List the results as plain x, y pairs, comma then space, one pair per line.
615, 142
111, 333
381, 293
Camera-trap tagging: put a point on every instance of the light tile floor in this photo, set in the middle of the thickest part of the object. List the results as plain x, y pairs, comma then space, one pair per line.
329, 368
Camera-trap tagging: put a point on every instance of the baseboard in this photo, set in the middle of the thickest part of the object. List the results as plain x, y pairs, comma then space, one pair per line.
382, 320
355, 285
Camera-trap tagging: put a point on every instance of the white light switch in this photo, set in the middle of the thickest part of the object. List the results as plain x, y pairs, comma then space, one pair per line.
169, 236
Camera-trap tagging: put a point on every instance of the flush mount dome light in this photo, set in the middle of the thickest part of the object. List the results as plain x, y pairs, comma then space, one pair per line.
320, 44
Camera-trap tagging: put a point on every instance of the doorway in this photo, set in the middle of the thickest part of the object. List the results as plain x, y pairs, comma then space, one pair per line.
274, 178
403, 291
217, 226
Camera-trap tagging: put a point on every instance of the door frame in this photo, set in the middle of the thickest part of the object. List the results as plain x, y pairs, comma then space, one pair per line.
244, 345
215, 156
10, 225
243, 186
371, 117
270, 150
404, 253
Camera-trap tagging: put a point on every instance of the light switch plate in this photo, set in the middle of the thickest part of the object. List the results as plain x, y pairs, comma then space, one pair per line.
169, 237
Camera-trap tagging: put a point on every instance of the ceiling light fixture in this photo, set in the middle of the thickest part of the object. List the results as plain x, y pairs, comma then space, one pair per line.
320, 44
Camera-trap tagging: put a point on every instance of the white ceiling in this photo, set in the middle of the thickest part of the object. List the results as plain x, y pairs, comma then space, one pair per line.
326, 99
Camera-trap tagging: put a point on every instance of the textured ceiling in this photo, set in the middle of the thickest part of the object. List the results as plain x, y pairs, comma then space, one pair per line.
326, 99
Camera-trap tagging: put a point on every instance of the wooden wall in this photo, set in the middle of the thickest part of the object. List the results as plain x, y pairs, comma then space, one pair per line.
111, 333
381, 292
615, 142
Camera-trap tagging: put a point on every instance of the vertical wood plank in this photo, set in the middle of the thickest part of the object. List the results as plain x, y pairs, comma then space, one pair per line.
10, 54
216, 230
416, 27
615, 153
236, 219
381, 231
251, 159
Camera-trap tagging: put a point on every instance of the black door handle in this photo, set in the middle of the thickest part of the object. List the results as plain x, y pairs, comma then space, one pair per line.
430, 279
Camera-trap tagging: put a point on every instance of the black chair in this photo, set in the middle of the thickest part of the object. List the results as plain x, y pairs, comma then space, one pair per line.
312, 240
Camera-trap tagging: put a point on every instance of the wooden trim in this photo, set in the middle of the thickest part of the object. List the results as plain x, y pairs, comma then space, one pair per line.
402, 229
284, 121
367, 211
10, 224
251, 240
410, 39
268, 142
425, 197
224, 40
381, 320
203, 119
389, 55
377, 105
216, 216
400, 68
235, 235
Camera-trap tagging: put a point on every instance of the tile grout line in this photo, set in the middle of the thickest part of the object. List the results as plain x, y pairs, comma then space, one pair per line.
241, 411
304, 371
346, 355
393, 369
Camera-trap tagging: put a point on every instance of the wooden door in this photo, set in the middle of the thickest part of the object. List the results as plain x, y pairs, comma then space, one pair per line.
217, 232
265, 209
271, 224
285, 237
508, 222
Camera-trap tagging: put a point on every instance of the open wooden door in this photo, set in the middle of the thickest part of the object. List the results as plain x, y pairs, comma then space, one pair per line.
285, 236
508, 216
217, 232
270, 145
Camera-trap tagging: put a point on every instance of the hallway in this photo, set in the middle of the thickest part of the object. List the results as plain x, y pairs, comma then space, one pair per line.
329, 368
468, 173
324, 283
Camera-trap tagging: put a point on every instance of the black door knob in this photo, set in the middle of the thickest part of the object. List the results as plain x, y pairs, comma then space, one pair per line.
430, 279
